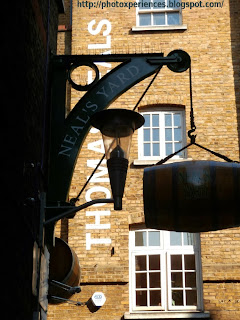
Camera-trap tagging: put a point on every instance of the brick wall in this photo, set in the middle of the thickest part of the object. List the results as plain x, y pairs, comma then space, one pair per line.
212, 41
29, 36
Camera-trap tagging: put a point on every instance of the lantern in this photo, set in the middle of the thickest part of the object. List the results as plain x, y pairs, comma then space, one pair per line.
117, 127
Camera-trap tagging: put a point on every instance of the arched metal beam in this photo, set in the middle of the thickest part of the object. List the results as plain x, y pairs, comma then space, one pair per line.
69, 134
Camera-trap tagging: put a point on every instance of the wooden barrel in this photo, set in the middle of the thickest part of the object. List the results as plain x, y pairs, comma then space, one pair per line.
63, 267
192, 196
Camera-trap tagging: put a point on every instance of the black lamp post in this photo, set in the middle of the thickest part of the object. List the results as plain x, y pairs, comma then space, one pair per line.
117, 127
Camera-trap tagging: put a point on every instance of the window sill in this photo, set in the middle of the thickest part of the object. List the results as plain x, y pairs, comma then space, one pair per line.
167, 315
160, 28
139, 162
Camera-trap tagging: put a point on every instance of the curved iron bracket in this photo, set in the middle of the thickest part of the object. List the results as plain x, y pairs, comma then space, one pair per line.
69, 134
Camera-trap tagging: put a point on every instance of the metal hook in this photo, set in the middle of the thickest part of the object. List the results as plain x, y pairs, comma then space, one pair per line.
191, 135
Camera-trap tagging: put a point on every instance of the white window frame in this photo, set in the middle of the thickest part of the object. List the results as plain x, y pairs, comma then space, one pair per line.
162, 155
165, 251
163, 293
138, 252
161, 10
184, 307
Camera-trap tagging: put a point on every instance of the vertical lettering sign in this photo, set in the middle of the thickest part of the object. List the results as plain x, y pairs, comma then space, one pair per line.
103, 28
101, 176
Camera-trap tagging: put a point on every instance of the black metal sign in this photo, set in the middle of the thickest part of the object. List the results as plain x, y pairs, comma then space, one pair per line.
69, 134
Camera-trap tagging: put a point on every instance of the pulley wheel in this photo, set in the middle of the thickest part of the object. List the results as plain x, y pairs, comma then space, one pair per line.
184, 61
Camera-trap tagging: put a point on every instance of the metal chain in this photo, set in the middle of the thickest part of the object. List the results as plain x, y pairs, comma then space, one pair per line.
193, 126
190, 132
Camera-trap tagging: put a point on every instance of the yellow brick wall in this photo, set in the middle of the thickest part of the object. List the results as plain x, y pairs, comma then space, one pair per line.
222, 300
212, 41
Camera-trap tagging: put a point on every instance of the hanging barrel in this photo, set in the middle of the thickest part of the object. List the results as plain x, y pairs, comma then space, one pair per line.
63, 267
192, 196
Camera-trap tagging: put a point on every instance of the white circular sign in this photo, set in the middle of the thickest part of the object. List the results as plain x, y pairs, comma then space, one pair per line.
98, 299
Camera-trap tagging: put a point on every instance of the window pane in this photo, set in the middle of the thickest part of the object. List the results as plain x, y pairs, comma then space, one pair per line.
146, 134
173, 18
154, 279
140, 263
168, 149
177, 119
140, 238
155, 134
147, 120
189, 262
176, 262
178, 146
190, 279
155, 120
156, 151
174, 4
154, 262
141, 280
158, 19
168, 134
147, 151
175, 238
141, 298
176, 278
191, 297
177, 297
145, 4
155, 298
158, 4
145, 19
188, 239
168, 120
177, 134
154, 238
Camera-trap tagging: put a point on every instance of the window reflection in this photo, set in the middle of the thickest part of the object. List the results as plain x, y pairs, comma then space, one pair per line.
141, 298
141, 263
154, 262
154, 280
176, 262
140, 239
141, 280
189, 262
154, 238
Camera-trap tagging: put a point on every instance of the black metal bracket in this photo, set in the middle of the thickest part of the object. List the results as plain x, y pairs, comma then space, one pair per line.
69, 289
76, 303
68, 134
70, 210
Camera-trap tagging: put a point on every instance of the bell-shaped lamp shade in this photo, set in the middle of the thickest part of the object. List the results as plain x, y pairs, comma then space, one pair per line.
117, 145
117, 127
